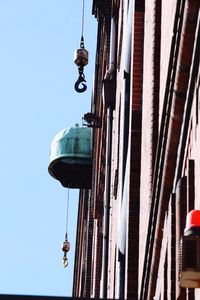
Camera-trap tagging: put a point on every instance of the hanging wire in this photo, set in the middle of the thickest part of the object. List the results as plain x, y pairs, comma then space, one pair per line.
66, 244
67, 214
82, 25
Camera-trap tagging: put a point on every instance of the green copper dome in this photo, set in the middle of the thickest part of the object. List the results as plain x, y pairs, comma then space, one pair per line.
71, 157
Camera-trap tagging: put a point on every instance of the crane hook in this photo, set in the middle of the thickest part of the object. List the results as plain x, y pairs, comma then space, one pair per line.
65, 248
80, 80
65, 261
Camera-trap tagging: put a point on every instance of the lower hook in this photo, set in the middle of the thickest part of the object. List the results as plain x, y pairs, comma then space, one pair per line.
65, 261
78, 82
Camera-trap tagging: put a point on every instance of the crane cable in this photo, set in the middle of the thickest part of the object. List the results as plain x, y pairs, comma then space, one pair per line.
82, 25
67, 214
81, 58
66, 244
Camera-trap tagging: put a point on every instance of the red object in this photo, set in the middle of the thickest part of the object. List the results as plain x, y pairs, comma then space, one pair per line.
192, 219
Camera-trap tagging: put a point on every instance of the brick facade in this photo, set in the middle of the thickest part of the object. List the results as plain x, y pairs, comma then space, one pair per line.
146, 161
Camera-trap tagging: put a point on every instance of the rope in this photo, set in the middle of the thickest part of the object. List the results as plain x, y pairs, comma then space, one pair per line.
83, 15
66, 235
82, 25
66, 244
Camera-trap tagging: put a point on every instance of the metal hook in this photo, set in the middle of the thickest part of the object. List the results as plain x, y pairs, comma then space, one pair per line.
80, 80
65, 261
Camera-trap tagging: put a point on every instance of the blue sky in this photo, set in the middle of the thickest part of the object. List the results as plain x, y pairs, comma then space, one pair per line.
37, 75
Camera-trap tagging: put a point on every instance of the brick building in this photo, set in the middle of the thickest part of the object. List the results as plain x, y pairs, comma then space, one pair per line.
146, 160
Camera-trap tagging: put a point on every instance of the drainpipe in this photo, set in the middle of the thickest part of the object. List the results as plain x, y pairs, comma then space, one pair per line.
128, 38
173, 133
111, 71
126, 152
106, 216
109, 75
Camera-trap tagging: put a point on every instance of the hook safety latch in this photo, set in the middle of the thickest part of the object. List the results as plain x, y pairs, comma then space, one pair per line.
80, 80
